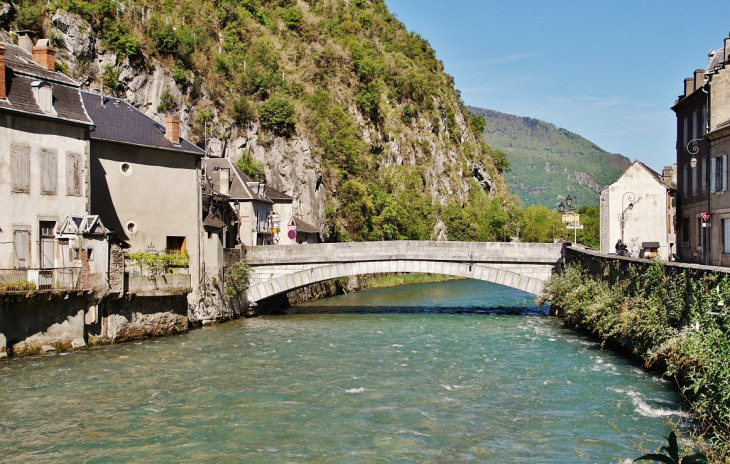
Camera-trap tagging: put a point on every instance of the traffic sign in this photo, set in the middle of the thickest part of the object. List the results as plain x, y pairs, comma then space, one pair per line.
579, 227
706, 217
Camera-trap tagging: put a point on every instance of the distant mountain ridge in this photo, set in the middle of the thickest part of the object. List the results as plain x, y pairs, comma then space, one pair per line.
549, 162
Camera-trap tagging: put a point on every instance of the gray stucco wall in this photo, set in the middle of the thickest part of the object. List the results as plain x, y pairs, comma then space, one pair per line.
145, 195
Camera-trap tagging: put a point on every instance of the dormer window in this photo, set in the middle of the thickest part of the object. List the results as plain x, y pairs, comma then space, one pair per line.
43, 93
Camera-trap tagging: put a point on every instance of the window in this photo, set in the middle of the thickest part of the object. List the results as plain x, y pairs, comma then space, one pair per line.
21, 243
21, 168
726, 236
703, 180
176, 245
47, 228
49, 171
684, 140
694, 180
685, 232
704, 128
718, 173
89, 254
73, 174
43, 93
47, 237
698, 242
694, 125
684, 180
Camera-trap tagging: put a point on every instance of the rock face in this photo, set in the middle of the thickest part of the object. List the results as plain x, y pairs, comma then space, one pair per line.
129, 319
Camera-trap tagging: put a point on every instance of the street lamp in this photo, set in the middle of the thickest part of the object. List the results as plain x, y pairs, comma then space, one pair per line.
694, 150
563, 213
632, 197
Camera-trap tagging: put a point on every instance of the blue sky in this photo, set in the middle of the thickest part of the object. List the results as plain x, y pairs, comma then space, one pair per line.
608, 71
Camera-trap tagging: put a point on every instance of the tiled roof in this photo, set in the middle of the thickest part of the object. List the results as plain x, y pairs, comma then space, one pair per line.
118, 121
21, 71
241, 187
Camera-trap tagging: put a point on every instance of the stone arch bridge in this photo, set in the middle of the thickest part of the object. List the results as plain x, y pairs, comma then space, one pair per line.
279, 269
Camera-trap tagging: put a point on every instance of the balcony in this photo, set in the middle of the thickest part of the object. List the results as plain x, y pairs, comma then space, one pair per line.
22, 281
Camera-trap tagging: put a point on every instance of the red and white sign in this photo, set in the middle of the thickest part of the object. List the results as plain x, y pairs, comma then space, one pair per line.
706, 217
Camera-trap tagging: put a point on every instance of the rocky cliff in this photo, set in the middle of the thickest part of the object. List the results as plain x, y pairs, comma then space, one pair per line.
321, 97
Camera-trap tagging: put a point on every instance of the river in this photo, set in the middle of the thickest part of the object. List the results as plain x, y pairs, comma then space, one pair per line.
452, 371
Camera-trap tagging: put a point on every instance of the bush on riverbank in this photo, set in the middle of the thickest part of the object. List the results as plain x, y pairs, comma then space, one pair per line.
666, 320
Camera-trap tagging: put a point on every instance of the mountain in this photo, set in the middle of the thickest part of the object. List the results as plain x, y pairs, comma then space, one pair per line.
549, 163
334, 102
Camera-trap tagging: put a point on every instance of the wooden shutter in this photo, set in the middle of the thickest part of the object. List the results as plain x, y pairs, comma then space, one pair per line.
49, 171
21, 168
21, 241
724, 172
73, 174
713, 175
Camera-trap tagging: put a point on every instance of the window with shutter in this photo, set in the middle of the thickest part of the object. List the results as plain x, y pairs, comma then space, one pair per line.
723, 184
49, 171
21, 243
73, 174
21, 168
713, 175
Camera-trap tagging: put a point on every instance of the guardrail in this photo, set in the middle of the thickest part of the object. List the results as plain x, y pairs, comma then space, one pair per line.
24, 280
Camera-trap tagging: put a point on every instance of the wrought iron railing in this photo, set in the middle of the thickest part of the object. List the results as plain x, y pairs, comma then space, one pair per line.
25, 280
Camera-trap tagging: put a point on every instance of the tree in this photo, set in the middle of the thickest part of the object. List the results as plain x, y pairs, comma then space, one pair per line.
590, 219
250, 166
540, 224
357, 209
277, 115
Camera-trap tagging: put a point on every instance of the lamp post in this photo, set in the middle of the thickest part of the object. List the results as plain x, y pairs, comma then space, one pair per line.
632, 197
694, 151
563, 213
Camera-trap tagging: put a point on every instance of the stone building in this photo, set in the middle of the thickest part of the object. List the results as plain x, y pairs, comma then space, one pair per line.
144, 181
639, 210
703, 122
44, 160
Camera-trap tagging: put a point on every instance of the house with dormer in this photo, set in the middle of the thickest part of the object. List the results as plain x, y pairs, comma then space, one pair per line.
44, 161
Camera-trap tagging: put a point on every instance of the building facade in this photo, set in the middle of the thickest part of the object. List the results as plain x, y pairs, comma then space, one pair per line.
44, 158
703, 115
144, 181
638, 209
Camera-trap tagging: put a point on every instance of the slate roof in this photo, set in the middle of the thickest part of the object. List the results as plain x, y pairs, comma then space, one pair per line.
305, 227
241, 186
118, 121
21, 71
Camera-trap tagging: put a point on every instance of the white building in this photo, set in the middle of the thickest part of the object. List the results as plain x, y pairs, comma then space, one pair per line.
44, 157
639, 209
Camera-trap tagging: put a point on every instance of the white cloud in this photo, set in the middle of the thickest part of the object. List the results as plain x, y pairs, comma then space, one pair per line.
491, 61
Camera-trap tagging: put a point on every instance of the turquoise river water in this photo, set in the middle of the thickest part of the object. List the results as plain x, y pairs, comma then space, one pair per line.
453, 371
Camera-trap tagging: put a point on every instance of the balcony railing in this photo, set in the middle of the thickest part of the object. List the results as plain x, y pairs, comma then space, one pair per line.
25, 280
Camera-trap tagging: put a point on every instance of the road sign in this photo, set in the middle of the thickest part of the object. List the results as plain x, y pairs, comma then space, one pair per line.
292, 235
578, 227
292, 222
706, 217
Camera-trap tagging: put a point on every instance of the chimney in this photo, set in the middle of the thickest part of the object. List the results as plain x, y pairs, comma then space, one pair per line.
699, 78
668, 175
172, 129
45, 55
24, 42
726, 50
689, 86
2, 73
225, 179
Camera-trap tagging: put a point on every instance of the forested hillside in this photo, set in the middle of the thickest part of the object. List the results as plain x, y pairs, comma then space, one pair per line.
548, 162
334, 102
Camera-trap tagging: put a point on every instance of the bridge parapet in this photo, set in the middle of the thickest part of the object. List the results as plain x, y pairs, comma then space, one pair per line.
468, 252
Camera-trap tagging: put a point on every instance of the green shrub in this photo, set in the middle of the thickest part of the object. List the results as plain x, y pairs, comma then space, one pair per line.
292, 18
243, 111
166, 40
250, 166
168, 103
277, 115
237, 279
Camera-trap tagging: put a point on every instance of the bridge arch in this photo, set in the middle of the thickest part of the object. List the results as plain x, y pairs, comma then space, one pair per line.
301, 278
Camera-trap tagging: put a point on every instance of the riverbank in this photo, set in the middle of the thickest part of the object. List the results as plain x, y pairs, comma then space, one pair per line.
665, 320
